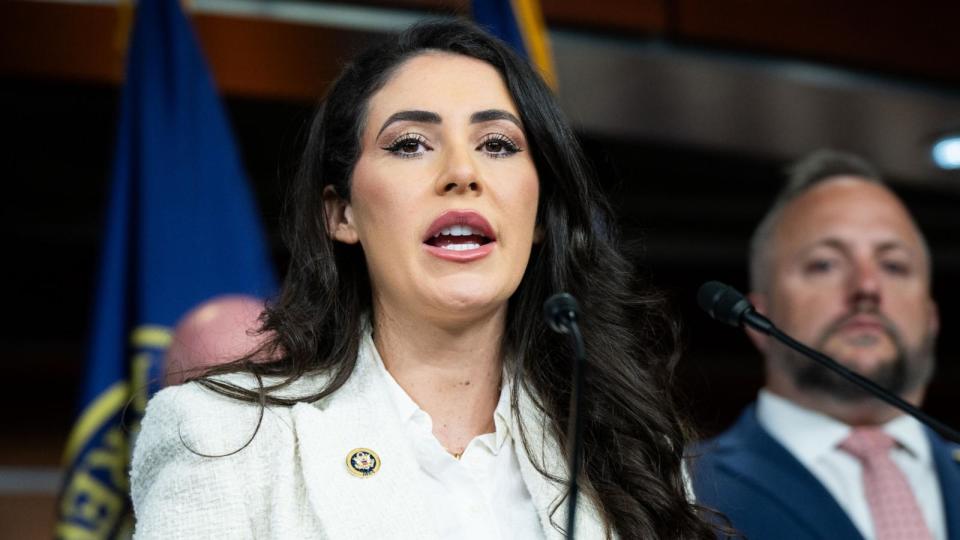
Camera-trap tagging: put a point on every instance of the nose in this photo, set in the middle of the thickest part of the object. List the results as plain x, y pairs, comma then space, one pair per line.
460, 174
865, 287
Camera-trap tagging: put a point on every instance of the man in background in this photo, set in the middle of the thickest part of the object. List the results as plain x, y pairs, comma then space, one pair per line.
839, 264
220, 330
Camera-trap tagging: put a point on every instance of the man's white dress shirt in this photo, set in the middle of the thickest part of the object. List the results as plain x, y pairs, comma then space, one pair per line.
813, 438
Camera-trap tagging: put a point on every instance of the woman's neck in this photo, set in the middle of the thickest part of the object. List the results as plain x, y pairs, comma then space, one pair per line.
453, 374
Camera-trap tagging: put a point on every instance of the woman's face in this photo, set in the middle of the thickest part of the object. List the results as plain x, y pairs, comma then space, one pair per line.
444, 195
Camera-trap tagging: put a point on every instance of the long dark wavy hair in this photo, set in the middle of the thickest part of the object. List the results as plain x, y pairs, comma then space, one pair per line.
633, 436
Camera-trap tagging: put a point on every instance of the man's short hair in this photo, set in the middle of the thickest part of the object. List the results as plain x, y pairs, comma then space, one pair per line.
803, 175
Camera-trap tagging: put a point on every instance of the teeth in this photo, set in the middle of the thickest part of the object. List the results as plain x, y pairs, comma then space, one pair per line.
458, 230
461, 247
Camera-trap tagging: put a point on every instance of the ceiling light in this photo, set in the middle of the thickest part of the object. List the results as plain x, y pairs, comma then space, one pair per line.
946, 151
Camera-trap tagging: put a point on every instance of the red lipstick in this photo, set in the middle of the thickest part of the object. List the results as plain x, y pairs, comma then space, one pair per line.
460, 236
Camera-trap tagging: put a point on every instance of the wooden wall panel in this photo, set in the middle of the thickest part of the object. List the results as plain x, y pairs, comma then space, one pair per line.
60, 40
27, 516
271, 59
634, 16
249, 57
919, 38
281, 60
435, 6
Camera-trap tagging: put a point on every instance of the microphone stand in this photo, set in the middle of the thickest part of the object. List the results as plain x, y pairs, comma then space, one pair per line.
719, 301
575, 425
861, 381
561, 313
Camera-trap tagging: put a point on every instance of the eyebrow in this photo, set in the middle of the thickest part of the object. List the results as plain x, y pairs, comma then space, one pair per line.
490, 115
891, 245
883, 247
428, 117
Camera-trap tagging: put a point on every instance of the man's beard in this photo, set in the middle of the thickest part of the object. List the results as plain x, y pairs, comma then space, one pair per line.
905, 372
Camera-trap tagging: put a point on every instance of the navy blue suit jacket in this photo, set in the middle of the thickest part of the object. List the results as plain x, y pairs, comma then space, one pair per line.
768, 494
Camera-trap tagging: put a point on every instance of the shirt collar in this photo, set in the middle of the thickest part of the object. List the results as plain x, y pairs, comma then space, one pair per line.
402, 402
810, 434
408, 410
909, 434
806, 433
501, 415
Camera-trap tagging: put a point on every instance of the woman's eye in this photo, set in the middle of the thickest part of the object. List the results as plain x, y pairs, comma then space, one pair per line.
498, 145
494, 147
409, 145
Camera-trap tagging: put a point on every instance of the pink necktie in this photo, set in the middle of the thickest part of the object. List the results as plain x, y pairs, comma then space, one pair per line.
896, 515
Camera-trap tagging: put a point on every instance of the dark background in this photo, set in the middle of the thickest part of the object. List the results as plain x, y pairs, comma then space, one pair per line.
61, 145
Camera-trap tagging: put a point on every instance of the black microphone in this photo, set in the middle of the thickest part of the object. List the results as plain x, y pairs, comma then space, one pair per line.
561, 312
727, 305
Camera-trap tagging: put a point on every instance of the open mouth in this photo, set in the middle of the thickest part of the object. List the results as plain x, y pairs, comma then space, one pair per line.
458, 238
460, 235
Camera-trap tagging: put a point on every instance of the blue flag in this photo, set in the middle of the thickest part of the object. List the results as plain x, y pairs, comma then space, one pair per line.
181, 228
520, 24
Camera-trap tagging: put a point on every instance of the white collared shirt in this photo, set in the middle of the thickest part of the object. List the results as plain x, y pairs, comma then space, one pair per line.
813, 437
480, 496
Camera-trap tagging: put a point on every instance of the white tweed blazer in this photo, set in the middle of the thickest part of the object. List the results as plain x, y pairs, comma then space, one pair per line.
292, 481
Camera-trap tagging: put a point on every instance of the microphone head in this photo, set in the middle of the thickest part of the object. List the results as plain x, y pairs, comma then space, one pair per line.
723, 303
560, 310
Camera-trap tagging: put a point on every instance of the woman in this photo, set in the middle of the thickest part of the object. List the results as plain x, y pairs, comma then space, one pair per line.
417, 392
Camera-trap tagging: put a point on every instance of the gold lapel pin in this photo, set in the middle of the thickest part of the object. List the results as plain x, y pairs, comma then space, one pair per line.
363, 462
956, 455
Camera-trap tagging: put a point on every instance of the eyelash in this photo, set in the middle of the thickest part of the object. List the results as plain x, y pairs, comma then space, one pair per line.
407, 138
509, 146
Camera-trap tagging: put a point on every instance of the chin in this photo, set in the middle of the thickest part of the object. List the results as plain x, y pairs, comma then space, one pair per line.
868, 366
882, 351
459, 303
464, 299
864, 362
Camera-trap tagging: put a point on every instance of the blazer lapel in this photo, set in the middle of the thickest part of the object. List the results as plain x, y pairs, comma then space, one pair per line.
756, 458
382, 505
946, 458
547, 493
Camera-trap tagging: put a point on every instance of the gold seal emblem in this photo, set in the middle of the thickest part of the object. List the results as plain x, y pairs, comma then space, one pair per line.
363, 462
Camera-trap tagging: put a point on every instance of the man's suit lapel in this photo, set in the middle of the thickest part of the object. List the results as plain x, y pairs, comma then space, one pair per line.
751, 454
383, 505
946, 458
